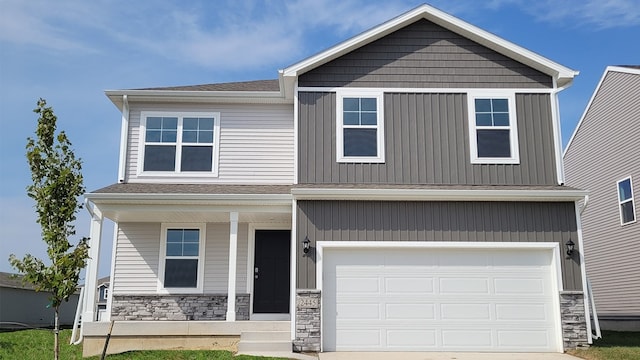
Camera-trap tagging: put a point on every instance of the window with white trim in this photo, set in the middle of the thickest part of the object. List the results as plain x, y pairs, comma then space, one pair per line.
493, 132
626, 202
180, 143
359, 127
181, 258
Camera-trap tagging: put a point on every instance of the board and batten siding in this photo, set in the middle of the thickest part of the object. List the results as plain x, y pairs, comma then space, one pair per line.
606, 149
256, 142
138, 251
426, 142
425, 55
436, 221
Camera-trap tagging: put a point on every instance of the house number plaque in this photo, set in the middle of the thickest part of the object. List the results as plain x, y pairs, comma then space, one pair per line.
306, 303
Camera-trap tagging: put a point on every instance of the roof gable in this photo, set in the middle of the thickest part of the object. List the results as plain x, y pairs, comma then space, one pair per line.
628, 69
563, 75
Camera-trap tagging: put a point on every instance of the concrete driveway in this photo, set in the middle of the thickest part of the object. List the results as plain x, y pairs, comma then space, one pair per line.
442, 356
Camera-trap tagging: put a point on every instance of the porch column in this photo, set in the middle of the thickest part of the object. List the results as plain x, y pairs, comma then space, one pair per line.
233, 259
91, 273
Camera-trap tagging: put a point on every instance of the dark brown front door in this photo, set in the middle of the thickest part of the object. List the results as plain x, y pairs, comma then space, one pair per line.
272, 271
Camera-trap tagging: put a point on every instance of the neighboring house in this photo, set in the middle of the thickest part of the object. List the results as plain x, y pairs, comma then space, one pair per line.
603, 156
400, 191
22, 307
102, 296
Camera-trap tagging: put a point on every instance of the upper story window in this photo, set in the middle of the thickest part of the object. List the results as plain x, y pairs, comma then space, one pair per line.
180, 143
181, 258
360, 127
493, 132
626, 202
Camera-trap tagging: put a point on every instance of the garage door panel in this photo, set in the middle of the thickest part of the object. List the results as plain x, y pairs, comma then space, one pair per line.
463, 338
408, 285
356, 285
519, 312
467, 312
516, 339
521, 285
406, 311
464, 286
411, 339
396, 303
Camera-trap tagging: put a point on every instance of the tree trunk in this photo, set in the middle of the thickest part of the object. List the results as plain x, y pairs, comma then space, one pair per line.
56, 332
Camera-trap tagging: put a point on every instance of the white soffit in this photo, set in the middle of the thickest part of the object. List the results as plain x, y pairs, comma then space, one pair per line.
563, 74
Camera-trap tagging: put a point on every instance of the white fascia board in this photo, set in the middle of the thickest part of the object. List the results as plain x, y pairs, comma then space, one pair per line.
564, 74
593, 96
242, 97
437, 194
127, 198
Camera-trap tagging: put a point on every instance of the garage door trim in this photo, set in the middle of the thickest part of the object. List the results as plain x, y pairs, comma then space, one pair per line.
553, 247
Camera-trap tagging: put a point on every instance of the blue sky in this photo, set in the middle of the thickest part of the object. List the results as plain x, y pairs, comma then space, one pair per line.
69, 52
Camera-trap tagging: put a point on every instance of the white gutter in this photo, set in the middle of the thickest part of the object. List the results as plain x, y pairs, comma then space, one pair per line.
557, 131
124, 130
437, 194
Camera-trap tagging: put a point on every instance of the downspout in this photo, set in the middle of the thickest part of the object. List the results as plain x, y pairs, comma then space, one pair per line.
583, 269
81, 299
557, 130
123, 140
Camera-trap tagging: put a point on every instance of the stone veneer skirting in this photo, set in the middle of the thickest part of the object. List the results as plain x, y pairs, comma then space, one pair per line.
574, 325
307, 321
177, 307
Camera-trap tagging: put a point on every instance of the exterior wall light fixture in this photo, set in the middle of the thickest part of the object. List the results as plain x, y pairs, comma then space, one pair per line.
570, 247
306, 245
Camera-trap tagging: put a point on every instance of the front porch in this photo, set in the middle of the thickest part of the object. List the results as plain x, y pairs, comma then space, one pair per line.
168, 335
191, 270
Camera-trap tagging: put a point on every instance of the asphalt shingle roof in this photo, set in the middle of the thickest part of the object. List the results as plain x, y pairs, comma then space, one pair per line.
257, 85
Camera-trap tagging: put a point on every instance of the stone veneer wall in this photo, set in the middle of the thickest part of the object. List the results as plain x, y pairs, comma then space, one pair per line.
307, 321
574, 324
177, 307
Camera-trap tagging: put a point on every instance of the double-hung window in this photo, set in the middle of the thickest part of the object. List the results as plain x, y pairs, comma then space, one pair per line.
626, 202
180, 143
359, 127
493, 132
181, 258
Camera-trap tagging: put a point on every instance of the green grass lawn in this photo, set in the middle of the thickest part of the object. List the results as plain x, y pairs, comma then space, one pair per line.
613, 346
38, 344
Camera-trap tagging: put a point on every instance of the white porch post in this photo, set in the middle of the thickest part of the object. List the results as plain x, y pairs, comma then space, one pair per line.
91, 273
233, 259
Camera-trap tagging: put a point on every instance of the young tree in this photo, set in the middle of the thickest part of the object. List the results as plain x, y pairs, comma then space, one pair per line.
57, 184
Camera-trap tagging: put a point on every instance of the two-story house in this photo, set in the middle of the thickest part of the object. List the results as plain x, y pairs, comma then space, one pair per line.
603, 156
400, 191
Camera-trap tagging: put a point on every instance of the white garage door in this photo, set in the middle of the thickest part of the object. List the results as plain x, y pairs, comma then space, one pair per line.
439, 300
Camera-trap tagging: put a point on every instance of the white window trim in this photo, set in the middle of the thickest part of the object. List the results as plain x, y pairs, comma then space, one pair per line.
631, 200
180, 115
513, 127
199, 289
379, 96
106, 293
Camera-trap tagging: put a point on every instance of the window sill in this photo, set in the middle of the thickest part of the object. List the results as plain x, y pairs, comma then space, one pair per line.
505, 161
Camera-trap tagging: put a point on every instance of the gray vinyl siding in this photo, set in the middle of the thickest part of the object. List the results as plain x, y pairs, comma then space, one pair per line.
426, 142
436, 221
138, 252
425, 55
606, 149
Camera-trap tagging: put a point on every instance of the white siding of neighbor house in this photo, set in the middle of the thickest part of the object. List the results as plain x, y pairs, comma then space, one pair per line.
256, 142
604, 150
138, 251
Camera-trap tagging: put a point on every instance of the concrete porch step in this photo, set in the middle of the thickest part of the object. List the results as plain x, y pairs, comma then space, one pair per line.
264, 341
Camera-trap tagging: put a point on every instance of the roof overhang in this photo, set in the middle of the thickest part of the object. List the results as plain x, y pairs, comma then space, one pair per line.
436, 194
212, 97
127, 207
563, 75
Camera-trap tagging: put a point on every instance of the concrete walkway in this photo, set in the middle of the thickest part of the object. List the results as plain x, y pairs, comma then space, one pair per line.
442, 356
